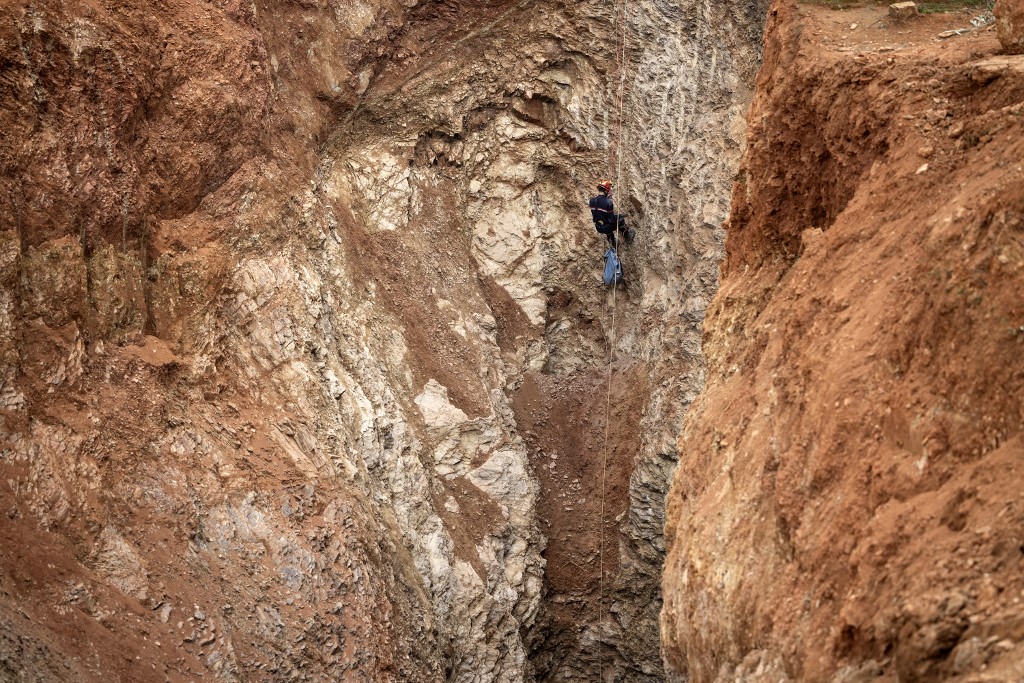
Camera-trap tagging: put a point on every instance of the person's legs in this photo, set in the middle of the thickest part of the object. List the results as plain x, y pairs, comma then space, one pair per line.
620, 224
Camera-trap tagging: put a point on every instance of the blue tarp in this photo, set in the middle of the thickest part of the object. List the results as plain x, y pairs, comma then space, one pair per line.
612, 268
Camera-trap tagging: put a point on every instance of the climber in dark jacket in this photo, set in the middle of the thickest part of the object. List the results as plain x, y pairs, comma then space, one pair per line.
606, 221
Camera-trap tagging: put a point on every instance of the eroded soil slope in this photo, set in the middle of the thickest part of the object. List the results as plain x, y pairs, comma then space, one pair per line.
849, 504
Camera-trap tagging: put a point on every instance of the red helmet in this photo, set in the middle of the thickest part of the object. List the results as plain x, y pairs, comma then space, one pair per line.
605, 186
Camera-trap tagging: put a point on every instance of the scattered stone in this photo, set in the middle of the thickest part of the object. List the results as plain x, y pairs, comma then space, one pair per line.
926, 152
903, 10
923, 168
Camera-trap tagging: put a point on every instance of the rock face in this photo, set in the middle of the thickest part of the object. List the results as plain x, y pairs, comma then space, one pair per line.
848, 504
1010, 25
304, 353
691, 69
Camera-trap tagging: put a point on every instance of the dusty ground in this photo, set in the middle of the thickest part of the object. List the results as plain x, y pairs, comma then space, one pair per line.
849, 507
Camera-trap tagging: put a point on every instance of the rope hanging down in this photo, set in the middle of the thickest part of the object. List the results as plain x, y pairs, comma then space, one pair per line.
620, 58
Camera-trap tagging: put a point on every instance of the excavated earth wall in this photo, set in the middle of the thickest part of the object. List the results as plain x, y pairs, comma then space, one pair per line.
304, 349
848, 504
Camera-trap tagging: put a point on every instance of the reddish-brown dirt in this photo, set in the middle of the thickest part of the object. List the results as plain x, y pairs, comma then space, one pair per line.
563, 419
849, 495
415, 274
59, 620
97, 633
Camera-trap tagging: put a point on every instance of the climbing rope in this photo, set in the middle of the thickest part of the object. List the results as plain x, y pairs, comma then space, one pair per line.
620, 58
604, 472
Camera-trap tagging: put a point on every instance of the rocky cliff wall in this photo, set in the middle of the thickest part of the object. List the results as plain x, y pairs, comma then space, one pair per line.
305, 349
848, 502
689, 80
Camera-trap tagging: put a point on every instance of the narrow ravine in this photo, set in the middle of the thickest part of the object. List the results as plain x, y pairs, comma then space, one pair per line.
306, 351
307, 372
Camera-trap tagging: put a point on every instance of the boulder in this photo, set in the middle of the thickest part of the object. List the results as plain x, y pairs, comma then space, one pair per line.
902, 10
1010, 25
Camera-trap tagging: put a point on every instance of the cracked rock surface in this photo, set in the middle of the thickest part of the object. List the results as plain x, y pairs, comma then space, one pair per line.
304, 356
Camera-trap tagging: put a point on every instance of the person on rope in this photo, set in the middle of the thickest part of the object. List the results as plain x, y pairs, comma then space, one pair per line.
606, 221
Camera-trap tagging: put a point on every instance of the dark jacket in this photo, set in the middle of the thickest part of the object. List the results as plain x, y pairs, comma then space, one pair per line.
602, 209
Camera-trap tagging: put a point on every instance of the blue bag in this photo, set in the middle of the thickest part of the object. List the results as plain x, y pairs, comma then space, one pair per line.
612, 268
